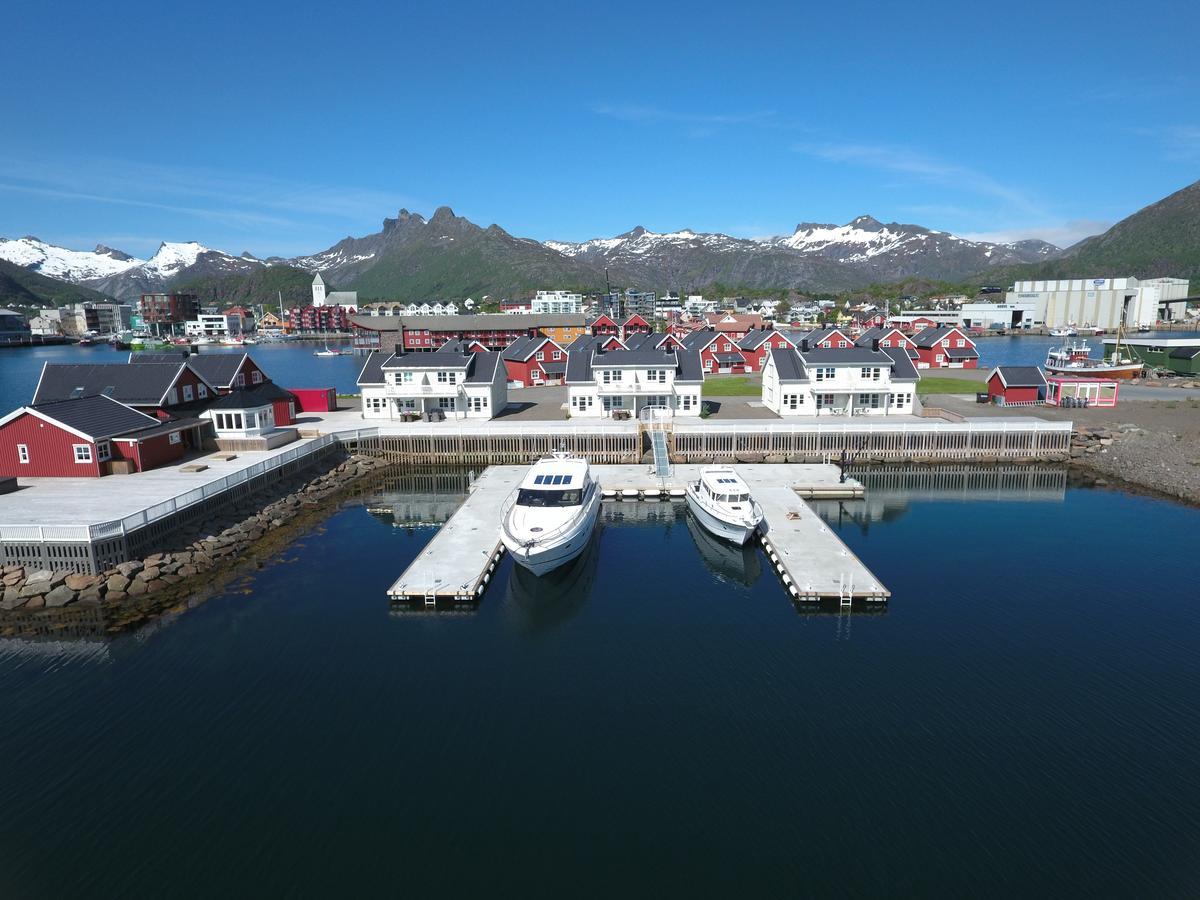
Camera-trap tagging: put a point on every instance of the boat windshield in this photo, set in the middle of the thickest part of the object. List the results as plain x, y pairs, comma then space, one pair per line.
542, 499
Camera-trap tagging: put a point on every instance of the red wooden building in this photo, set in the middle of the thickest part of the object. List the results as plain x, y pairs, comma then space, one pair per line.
945, 347
534, 361
733, 325
496, 331
635, 324
227, 371
320, 318
1011, 385
718, 352
604, 325
89, 437
755, 346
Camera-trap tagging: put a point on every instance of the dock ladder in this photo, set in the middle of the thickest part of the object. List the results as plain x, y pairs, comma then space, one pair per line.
845, 590
657, 421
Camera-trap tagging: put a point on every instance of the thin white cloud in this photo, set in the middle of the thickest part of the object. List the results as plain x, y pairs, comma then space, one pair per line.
1182, 143
632, 112
930, 169
1061, 234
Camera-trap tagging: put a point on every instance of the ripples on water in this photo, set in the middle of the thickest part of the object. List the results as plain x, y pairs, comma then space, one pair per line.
1021, 720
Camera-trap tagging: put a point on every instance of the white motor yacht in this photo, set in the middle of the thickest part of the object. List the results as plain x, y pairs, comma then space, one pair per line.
721, 502
549, 518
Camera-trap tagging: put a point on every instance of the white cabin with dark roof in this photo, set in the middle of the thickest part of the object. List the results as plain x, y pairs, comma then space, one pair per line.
604, 384
441, 384
852, 381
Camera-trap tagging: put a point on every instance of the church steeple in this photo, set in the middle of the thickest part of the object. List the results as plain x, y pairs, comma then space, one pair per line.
318, 289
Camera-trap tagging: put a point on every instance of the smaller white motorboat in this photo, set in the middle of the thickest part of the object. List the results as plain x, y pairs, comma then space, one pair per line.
721, 502
1066, 331
549, 518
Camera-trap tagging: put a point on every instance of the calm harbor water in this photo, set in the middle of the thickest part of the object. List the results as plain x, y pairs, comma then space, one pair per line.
1021, 719
290, 364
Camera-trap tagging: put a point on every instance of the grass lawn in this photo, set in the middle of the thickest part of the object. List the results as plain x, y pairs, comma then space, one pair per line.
731, 386
937, 385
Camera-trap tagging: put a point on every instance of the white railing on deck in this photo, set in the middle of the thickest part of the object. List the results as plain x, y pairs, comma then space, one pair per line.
143, 517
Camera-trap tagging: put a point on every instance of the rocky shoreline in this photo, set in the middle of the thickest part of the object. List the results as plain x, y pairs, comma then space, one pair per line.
189, 555
1162, 462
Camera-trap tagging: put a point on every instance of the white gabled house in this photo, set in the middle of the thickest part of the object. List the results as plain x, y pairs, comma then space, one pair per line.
412, 385
851, 381
600, 382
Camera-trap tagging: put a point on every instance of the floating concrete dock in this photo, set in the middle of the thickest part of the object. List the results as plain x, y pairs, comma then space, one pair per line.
810, 560
459, 562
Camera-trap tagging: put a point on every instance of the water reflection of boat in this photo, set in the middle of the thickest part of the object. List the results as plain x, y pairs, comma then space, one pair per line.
547, 601
738, 563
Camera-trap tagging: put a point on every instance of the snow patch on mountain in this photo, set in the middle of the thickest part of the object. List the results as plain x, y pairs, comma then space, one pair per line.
68, 265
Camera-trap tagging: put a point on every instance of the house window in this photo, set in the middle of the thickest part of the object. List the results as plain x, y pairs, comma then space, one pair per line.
539, 356
23, 453
885, 343
708, 365
256, 377
201, 392
251, 420
187, 393
728, 348
557, 355
83, 453
871, 400
824, 400
792, 401
406, 377
825, 373
940, 359
443, 377
445, 402
240, 381
104, 451
659, 375
175, 438
685, 401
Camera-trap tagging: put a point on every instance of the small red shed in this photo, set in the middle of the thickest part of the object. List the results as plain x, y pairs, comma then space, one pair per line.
1010, 385
314, 399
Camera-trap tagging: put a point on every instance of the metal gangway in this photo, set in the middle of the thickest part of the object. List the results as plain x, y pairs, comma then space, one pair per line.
657, 422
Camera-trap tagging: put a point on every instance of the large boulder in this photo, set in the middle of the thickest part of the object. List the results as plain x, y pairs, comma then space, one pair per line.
77, 582
131, 568
60, 596
117, 582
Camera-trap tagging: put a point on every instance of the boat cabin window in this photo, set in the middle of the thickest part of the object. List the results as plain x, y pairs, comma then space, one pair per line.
544, 498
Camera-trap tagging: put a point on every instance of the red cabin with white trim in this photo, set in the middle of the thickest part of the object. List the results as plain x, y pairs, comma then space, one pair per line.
755, 347
534, 361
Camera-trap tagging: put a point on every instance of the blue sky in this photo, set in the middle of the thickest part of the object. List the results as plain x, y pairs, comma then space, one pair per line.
280, 128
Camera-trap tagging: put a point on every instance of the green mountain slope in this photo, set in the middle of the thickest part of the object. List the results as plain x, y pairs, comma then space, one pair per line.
262, 285
21, 287
1163, 239
450, 257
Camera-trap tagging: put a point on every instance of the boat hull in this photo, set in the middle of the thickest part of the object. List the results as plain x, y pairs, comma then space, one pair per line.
1133, 370
738, 534
541, 559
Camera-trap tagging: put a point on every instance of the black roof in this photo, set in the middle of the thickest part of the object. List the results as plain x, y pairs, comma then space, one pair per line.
555, 368
927, 337
698, 340
902, 364
523, 347
97, 416
1020, 376
962, 352
788, 365
689, 368
218, 369
249, 398
483, 367
579, 366
372, 370
142, 385
438, 359
636, 358
845, 356
1185, 352
728, 359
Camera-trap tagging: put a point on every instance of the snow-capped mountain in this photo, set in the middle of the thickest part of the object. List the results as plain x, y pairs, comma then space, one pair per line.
827, 256
448, 255
67, 265
172, 263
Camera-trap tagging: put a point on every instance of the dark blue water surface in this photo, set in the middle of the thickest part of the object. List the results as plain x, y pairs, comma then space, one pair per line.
290, 364
1021, 720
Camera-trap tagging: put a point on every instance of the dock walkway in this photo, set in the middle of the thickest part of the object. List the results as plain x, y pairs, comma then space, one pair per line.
811, 561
